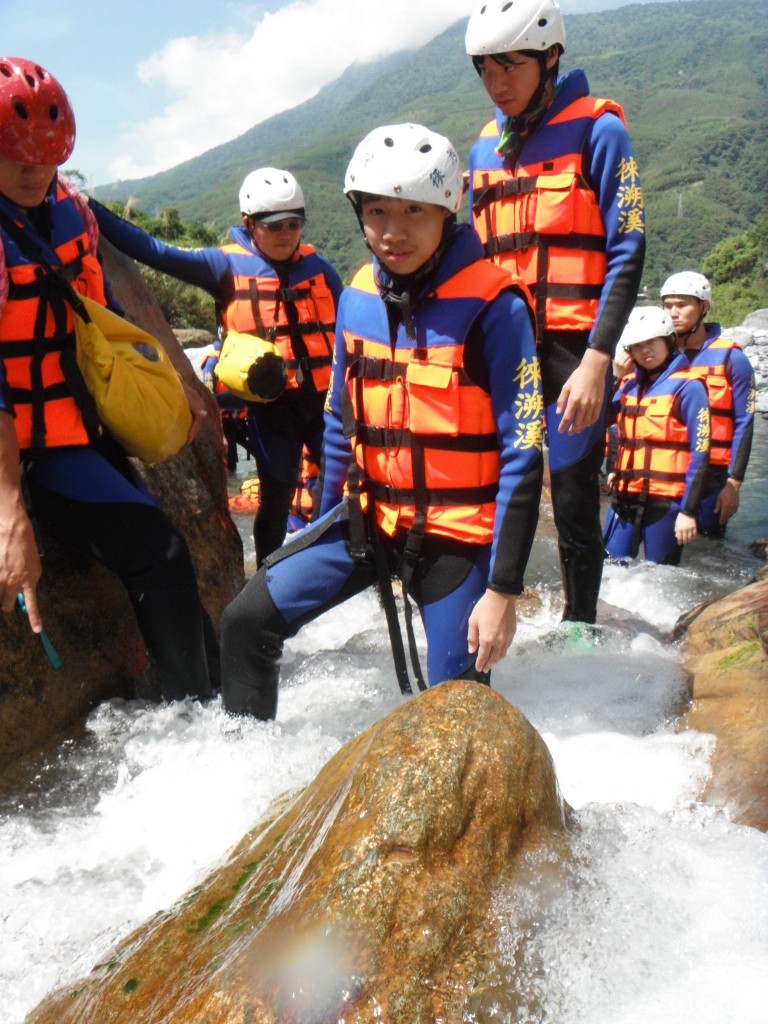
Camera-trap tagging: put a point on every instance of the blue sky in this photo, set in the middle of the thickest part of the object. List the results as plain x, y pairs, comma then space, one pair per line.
156, 82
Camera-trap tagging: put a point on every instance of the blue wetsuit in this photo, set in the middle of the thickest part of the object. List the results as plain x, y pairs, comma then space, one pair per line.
649, 519
741, 381
609, 171
315, 571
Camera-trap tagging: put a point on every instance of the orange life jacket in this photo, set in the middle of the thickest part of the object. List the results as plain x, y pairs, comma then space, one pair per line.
35, 328
654, 450
302, 502
543, 221
259, 307
424, 433
711, 367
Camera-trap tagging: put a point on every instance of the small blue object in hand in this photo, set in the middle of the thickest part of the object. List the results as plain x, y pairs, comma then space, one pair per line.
47, 646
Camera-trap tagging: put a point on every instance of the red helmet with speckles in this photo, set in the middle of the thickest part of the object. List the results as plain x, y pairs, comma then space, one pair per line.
37, 125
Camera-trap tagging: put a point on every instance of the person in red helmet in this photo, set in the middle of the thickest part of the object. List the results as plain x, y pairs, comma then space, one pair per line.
60, 472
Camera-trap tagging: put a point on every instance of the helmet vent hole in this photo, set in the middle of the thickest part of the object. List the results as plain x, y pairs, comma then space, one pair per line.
389, 142
20, 109
483, 9
426, 148
506, 7
542, 22
53, 112
30, 81
5, 70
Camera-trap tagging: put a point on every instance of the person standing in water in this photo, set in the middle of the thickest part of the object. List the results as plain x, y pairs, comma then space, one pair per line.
556, 198
433, 421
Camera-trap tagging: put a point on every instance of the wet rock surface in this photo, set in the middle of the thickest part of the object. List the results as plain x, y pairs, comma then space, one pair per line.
367, 898
726, 645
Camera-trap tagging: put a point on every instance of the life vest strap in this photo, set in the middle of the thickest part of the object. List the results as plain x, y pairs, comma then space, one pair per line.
435, 497
506, 188
522, 240
386, 437
372, 368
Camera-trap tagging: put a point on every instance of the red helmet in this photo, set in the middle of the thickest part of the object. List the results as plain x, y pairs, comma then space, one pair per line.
37, 125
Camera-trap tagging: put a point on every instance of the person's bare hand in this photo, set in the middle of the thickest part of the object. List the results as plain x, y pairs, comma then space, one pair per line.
581, 399
492, 626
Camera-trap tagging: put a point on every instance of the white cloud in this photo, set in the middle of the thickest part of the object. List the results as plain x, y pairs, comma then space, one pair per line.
225, 84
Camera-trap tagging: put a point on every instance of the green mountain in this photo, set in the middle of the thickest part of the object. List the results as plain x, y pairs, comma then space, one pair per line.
691, 77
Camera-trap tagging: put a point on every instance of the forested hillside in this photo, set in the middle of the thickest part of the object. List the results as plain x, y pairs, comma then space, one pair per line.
690, 76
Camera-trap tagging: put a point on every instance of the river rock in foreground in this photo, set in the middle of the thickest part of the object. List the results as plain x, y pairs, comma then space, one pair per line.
367, 899
726, 642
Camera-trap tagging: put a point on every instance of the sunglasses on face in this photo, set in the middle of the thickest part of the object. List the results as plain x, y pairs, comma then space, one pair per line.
290, 224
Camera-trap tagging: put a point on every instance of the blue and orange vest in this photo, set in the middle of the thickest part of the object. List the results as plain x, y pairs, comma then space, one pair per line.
424, 434
36, 326
654, 448
543, 220
261, 306
710, 366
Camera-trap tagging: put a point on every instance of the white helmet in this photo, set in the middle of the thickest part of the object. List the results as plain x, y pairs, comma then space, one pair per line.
270, 194
498, 26
688, 282
406, 161
645, 323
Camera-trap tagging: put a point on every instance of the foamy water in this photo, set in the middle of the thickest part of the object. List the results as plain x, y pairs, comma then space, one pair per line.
662, 918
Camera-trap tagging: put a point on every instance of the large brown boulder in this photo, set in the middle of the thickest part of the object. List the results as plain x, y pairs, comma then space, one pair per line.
85, 609
726, 644
368, 898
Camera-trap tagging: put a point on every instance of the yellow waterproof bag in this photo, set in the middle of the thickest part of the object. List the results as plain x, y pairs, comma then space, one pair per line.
137, 392
251, 368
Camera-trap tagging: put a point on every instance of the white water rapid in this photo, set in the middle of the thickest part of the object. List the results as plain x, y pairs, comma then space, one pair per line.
663, 918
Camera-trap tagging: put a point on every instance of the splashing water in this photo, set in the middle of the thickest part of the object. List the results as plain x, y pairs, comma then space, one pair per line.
662, 916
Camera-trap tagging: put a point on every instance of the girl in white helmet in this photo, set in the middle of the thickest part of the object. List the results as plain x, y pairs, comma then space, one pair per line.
730, 381
556, 199
433, 427
662, 446
267, 283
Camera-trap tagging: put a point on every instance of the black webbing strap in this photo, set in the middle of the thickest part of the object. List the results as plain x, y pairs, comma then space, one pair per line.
384, 577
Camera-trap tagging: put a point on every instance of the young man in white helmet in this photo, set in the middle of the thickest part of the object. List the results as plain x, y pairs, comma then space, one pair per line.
662, 445
556, 198
433, 422
730, 381
265, 282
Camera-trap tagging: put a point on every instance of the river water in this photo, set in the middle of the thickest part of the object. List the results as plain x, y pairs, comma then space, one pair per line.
662, 919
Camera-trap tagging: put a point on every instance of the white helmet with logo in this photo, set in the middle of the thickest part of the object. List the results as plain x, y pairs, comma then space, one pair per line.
498, 26
688, 282
270, 194
645, 323
406, 161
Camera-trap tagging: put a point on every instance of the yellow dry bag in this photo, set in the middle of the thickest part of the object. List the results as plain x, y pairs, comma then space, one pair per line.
138, 394
251, 368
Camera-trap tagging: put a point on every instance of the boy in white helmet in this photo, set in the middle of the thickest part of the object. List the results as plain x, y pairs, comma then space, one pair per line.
662, 428
730, 382
433, 421
265, 282
556, 199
